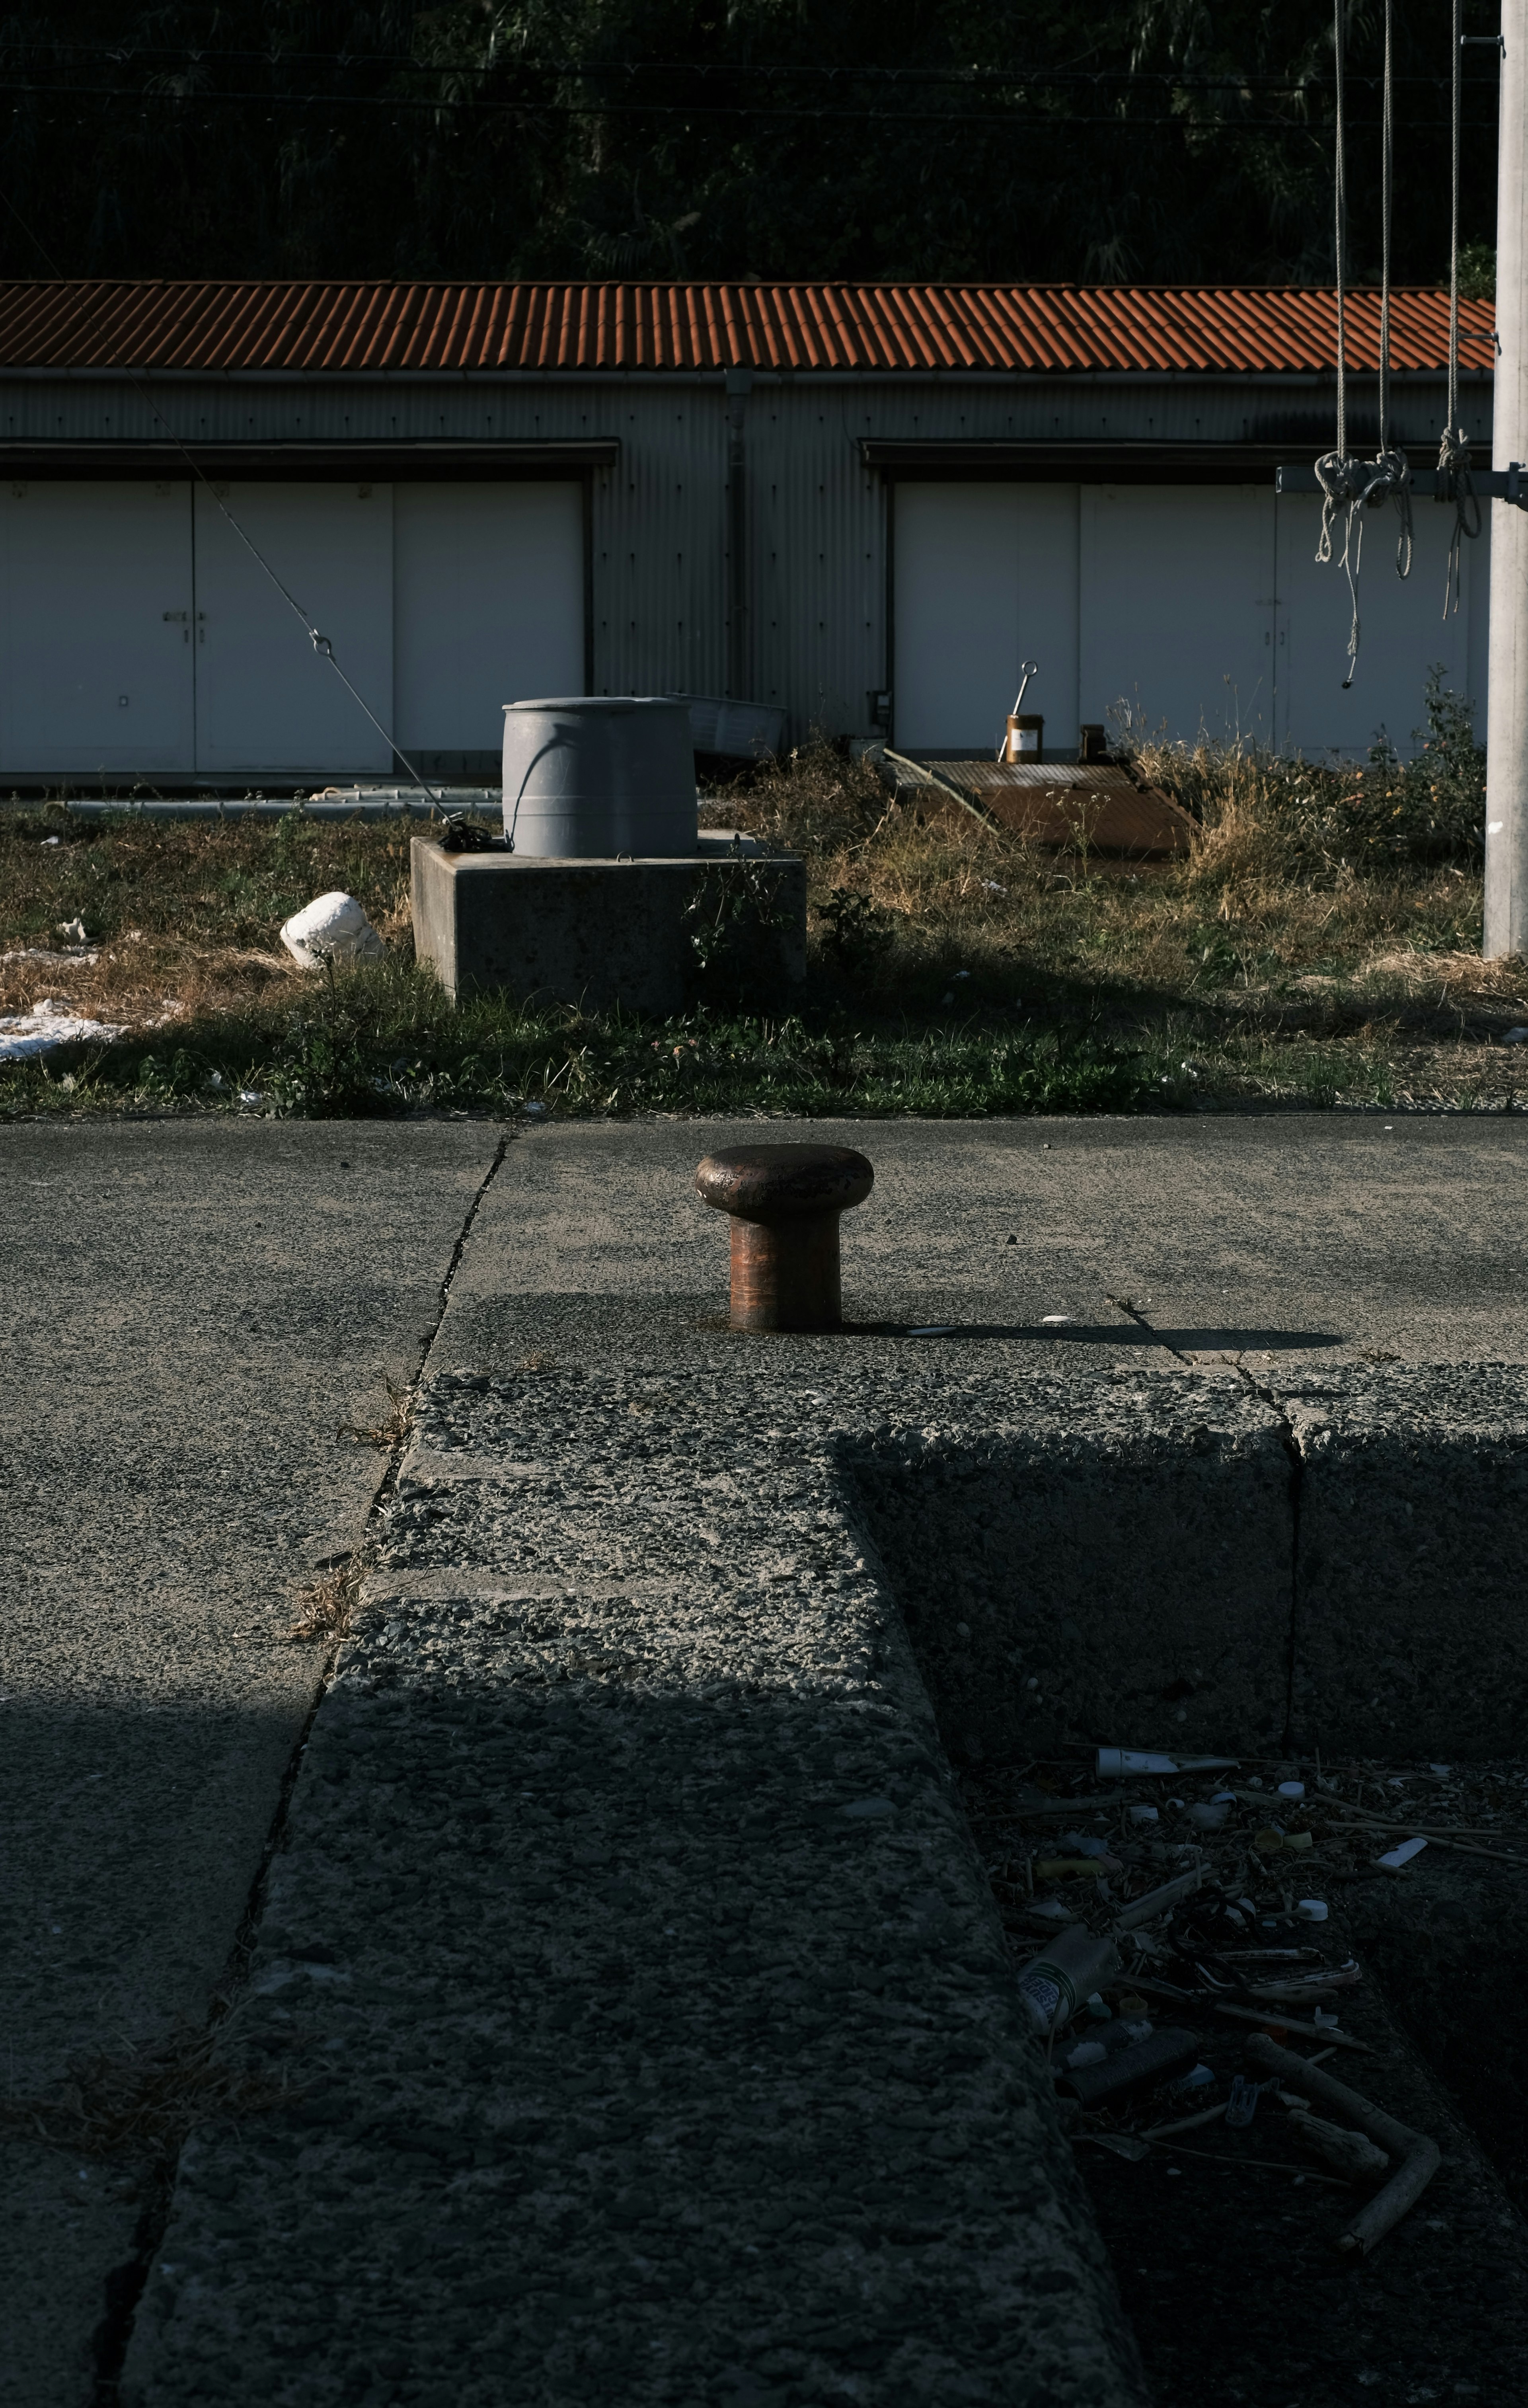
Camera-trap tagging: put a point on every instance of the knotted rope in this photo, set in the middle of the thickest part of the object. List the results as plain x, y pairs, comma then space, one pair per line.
1349, 485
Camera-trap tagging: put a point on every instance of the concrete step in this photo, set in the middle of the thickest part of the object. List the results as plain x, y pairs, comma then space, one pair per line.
644, 2023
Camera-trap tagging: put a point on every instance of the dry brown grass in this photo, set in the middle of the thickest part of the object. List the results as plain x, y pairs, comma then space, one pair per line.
182, 915
325, 1607
1296, 951
1263, 963
142, 2103
391, 1429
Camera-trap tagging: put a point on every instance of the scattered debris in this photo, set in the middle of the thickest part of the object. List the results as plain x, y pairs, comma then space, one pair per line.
1054, 1985
1419, 2158
1124, 1763
1157, 1901
332, 928
1347, 2153
1395, 1857
1141, 2066
76, 957
46, 1027
1242, 2104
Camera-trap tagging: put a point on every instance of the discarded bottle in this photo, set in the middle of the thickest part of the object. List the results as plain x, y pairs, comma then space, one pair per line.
1140, 2068
1054, 1986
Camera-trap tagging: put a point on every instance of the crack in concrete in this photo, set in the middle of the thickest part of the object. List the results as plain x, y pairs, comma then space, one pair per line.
125, 2284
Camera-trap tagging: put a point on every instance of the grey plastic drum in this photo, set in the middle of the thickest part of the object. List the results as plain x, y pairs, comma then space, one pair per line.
595, 776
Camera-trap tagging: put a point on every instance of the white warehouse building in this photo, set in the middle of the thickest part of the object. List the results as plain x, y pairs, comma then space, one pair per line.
865, 506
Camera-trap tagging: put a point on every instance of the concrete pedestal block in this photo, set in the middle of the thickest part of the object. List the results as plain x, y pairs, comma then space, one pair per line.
647, 934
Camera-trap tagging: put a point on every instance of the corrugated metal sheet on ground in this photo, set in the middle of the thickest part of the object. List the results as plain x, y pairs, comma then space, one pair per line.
1049, 328
1070, 805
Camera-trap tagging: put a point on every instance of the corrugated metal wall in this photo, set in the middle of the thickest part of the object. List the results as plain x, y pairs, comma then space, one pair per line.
818, 566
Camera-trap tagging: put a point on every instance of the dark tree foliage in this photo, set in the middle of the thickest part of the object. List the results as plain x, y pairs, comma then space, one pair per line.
1136, 141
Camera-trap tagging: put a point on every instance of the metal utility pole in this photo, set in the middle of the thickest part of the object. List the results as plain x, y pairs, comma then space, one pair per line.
1507, 723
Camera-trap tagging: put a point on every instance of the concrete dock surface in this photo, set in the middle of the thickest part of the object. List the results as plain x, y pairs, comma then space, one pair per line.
194, 1310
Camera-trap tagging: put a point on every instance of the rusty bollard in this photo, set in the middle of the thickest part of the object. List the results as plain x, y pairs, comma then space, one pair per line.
785, 1201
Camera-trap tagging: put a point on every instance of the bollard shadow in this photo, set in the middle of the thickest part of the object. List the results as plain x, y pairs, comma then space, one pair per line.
1127, 1334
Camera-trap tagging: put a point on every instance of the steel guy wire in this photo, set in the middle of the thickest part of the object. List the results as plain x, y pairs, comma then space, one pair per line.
321, 643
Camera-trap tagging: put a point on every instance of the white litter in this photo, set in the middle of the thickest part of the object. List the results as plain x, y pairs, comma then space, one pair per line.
74, 930
76, 960
1395, 1857
1054, 1319
332, 928
42, 1030
1118, 1763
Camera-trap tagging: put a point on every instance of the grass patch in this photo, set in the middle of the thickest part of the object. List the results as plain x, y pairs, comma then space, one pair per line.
1320, 945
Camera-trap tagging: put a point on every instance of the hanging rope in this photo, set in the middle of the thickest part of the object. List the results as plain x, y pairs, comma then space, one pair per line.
1344, 481
1349, 485
1454, 481
1392, 478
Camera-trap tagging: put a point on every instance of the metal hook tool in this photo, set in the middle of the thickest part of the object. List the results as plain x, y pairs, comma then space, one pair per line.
1026, 670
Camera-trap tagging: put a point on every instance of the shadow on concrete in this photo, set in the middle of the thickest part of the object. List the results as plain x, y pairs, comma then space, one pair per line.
1086, 1333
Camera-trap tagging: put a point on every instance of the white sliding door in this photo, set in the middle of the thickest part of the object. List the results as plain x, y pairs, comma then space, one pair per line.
1177, 608
985, 576
1404, 627
265, 701
488, 584
95, 628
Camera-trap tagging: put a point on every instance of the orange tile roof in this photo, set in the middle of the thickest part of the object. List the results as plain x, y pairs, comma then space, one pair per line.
1050, 328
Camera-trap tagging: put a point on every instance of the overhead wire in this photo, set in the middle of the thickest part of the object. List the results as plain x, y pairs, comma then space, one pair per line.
322, 645
1454, 481
954, 119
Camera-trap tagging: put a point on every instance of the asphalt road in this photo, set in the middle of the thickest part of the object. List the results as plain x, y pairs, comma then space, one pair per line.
192, 1308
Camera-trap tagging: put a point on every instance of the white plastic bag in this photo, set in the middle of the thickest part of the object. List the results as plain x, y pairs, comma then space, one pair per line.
332, 928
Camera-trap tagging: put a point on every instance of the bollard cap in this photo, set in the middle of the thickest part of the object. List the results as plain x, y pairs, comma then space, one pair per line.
777, 1183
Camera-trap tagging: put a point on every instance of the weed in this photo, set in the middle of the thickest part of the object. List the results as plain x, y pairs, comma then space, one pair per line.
325, 1607
142, 2103
858, 930
393, 1429
1318, 942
